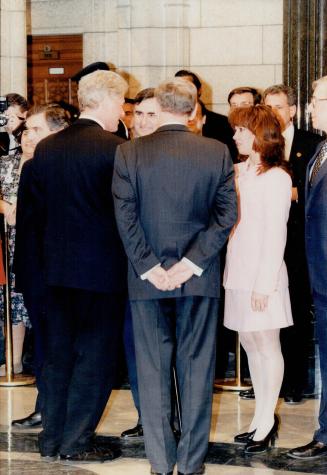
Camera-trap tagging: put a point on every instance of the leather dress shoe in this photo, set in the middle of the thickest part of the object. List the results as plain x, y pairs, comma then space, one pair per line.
49, 458
136, 431
160, 473
247, 394
313, 450
199, 471
29, 422
94, 455
292, 397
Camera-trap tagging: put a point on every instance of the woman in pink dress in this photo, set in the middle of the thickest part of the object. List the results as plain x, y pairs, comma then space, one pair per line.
257, 300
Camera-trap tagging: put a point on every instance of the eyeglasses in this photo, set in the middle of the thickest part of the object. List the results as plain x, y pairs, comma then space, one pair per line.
314, 100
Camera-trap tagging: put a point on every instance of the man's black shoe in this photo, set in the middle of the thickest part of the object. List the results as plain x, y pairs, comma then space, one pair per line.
313, 450
49, 458
292, 397
95, 455
247, 394
32, 421
136, 431
160, 473
200, 471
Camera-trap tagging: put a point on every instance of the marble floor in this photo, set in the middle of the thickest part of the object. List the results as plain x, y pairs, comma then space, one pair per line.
18, 449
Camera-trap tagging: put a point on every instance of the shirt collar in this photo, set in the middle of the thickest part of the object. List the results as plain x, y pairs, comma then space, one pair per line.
288, 133
89, 117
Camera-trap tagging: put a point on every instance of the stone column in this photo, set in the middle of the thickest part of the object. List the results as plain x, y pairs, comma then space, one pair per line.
305, 40
13, 50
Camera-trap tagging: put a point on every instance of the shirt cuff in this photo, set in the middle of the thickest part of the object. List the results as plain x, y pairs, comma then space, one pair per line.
145, 275
196, 269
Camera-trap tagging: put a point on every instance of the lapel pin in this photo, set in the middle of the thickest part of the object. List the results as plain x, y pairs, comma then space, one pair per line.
299, 154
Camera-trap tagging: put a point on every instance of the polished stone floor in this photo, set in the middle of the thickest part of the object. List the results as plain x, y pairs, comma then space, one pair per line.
18, 450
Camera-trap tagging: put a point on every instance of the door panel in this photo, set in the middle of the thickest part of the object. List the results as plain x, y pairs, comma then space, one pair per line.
51, 61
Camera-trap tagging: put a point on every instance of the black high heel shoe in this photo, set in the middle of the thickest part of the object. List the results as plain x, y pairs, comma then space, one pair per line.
244, 438
260, 446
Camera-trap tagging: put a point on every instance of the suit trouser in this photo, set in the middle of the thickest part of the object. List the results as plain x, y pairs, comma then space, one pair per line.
298, 335
320, 303
129, 346
82, 337
186, 325
35, 306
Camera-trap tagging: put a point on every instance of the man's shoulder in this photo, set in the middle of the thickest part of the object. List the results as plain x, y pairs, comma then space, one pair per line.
304, 145
215, 116
305, 136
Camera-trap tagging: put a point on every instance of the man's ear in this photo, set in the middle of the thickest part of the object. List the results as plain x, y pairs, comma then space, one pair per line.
292, 111
193, 113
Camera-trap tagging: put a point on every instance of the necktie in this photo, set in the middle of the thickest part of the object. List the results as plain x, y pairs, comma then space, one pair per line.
322, 154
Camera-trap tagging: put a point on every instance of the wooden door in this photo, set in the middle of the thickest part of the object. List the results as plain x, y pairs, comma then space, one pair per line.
51, 62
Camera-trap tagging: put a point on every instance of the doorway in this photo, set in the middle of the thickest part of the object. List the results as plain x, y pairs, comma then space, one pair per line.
51, 62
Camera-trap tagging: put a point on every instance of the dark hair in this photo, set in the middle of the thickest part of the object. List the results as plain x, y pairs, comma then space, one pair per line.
202, 107
129, 100
72, 112
243, 90
282, 89
196, 81
14, 99
55, 115
141, 96
266, 127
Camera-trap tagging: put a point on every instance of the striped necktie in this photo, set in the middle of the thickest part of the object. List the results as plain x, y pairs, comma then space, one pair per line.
321, 155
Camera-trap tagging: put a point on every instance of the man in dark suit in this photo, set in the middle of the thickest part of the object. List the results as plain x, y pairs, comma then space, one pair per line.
175, 205
41, 121
300, 145
84, 270
216, 125
316, 250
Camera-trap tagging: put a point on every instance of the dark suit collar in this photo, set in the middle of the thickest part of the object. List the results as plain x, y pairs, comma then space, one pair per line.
166, 127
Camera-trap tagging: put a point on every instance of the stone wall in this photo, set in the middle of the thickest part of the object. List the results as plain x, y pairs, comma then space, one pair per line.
13, 62
227, 42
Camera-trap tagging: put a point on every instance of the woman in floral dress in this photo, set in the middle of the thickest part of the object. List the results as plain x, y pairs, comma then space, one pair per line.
10, 168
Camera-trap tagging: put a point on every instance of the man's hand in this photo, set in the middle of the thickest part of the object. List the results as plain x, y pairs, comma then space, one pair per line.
178, 274
259, 302
159, 278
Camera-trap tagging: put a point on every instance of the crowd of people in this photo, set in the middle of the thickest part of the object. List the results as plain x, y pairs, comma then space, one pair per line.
116, 223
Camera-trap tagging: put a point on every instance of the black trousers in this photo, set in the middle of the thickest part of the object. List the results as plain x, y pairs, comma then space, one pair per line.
82, 336
296, 340
185, 327
35, 305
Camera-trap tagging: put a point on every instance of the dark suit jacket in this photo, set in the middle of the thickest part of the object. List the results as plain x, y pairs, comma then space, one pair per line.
217, 127
316, 227
71, 181
174, 197
303, 147
28, 264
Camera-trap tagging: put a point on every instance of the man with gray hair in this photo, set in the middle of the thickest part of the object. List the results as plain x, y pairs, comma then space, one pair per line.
175, 205
84, 267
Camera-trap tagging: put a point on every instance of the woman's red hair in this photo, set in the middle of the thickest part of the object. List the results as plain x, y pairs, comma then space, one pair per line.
266, 127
